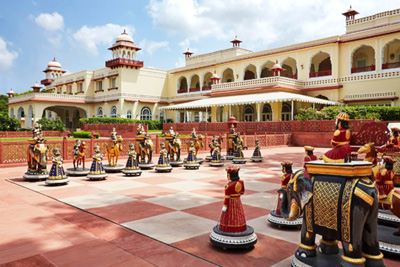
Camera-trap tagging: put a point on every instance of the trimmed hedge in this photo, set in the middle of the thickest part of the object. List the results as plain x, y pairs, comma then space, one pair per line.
153, 124
355, 112
82, 134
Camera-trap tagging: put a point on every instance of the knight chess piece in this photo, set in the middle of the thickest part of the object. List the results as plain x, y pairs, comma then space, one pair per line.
57, 174
216, 158
97, 171
37, 156
239, 156
144, 148
113, 149
191, 162
257, 152
232, 230
132, 167
163, 161
78, 159
174, 148
275, 216
340, 203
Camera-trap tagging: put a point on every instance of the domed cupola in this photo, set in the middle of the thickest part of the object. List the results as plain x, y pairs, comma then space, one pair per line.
124, 53
53, 71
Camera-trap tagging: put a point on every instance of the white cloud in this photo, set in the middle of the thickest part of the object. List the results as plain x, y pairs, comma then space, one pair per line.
151, 46
7, 57
261, 24
50, 22
90, 38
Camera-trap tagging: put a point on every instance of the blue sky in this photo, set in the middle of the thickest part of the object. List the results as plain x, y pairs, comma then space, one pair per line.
78, 33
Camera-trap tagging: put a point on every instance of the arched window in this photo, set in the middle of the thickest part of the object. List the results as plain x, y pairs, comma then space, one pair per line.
267, 113
100, 112
162, 116
21, 113
113, 113
286, 111
196, 117
12, 113
145, 114
129, 114
50, 115
248, 113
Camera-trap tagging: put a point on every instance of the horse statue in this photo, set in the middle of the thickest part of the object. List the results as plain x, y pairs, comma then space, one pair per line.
144, 147
113, 150
372, 156
173, 146
79, 158
198, 143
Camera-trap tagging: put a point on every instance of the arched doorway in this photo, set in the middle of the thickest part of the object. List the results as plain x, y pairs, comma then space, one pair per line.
267, 112
248, 113
286, 112
227, 76
363, 59
145, 114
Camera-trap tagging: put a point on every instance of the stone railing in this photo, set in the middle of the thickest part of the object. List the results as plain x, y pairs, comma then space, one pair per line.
373, 17
370, 95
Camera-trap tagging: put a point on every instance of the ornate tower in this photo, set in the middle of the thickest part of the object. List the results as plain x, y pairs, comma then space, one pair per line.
36, 88
236, 42
188, 53
124, 53
53, 71
350, 14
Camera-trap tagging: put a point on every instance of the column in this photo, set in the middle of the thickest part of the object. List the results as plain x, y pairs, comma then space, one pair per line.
201, 116
291, 111
258, 111
207, 114
229, 111
276, 111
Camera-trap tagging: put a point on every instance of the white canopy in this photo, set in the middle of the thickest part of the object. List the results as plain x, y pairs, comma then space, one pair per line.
249, 99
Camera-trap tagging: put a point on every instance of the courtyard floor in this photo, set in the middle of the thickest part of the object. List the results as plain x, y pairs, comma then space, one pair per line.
157, 219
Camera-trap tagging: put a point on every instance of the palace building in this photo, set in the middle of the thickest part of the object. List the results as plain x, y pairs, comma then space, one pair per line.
361, 67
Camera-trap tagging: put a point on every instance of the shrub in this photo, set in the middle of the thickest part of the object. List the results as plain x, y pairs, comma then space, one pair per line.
82, 134
97, 135
9, 124
52, 125
153, 124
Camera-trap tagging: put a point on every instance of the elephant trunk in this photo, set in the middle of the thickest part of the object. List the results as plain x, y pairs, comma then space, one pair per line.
43, 160
290, 209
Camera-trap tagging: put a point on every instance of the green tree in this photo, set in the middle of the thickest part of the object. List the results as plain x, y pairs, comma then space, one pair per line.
9, 124
52, 125
3, 102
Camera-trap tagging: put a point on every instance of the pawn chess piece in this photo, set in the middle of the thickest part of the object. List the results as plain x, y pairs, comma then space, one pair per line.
275, 216
257, 152
191, 162
216, 158
97, 171
163, 161
232, 230
239, 156
57, 174
132, 167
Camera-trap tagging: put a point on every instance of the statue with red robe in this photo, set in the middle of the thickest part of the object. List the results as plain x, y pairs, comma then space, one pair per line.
384, 180
309, 150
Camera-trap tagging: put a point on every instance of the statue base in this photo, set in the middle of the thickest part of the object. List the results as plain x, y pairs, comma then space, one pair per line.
319, 260
132, 172
208, 158
246, 239
101, 176
256, 159
35, 177
111, 168
230, 157
146, 166
191, 165
200, 160
216, 164
78, 171
57, 181
176, 163
239, 161
388, 242
387, 217
280, 221
163, 168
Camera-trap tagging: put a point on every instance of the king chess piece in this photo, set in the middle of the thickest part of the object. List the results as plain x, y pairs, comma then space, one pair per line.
163, 161
97, 171
275, 216
191, 162
232, 230
132, 166
257, 152
57, 174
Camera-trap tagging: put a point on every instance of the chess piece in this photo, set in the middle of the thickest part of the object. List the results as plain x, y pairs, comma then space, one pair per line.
309, 150
132, 167
57, 174
239, 156
97, 171
163, 161
191, 162
257, 152
232, 141
232, 230
174, 148
113, 149
78, 159
393, 143
216, 158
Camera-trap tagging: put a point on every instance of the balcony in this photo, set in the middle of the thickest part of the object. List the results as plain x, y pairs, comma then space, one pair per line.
370, 97
117, 62
363, 69
46, 81
392, 65
320, 73
182, 91
196, 89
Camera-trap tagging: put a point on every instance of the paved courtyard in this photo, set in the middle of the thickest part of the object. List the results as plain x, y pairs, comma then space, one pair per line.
152, 220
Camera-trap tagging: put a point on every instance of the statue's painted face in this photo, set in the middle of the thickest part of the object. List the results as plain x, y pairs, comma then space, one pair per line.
228, 176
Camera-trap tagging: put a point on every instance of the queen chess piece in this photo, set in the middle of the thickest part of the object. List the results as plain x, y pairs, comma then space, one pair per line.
163, 161
232, 230
97, 171
132, 167
191, 162
257, 152
57, 174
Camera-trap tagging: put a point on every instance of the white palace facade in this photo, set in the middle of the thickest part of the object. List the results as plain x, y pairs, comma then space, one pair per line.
361, 67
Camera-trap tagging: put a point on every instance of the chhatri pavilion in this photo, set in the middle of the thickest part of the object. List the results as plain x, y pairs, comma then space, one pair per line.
360, 67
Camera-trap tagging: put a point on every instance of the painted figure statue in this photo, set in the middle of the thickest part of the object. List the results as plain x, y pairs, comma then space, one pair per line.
232, 230
309, 157
239, 156
132, 167
114, 148
144, 146
232, 142
211, 145
342, 206
79, 154
163, 160
384, 179
257, 152
57, 174
393, 143
371, 155
37, 153
341, 141
216, 156
191, 160
197, 140
173, 146
97, 165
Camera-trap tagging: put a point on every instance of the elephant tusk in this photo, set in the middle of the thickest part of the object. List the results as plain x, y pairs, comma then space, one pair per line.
294, 211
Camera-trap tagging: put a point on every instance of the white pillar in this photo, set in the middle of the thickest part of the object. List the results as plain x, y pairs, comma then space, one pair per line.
258, 111
206, 114
291, 111
200, 116
229, 111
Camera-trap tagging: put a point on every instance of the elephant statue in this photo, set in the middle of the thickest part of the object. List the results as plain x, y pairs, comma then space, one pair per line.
339, 209
37, 158
144, 148
173, 146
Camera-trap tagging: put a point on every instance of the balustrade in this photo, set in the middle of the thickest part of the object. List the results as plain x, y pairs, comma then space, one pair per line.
363, 69
391, 65
320, 73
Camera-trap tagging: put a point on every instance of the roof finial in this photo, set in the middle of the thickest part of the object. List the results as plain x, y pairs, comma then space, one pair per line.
124, 32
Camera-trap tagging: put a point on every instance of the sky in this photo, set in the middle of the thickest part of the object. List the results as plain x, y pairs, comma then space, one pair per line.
78, 32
